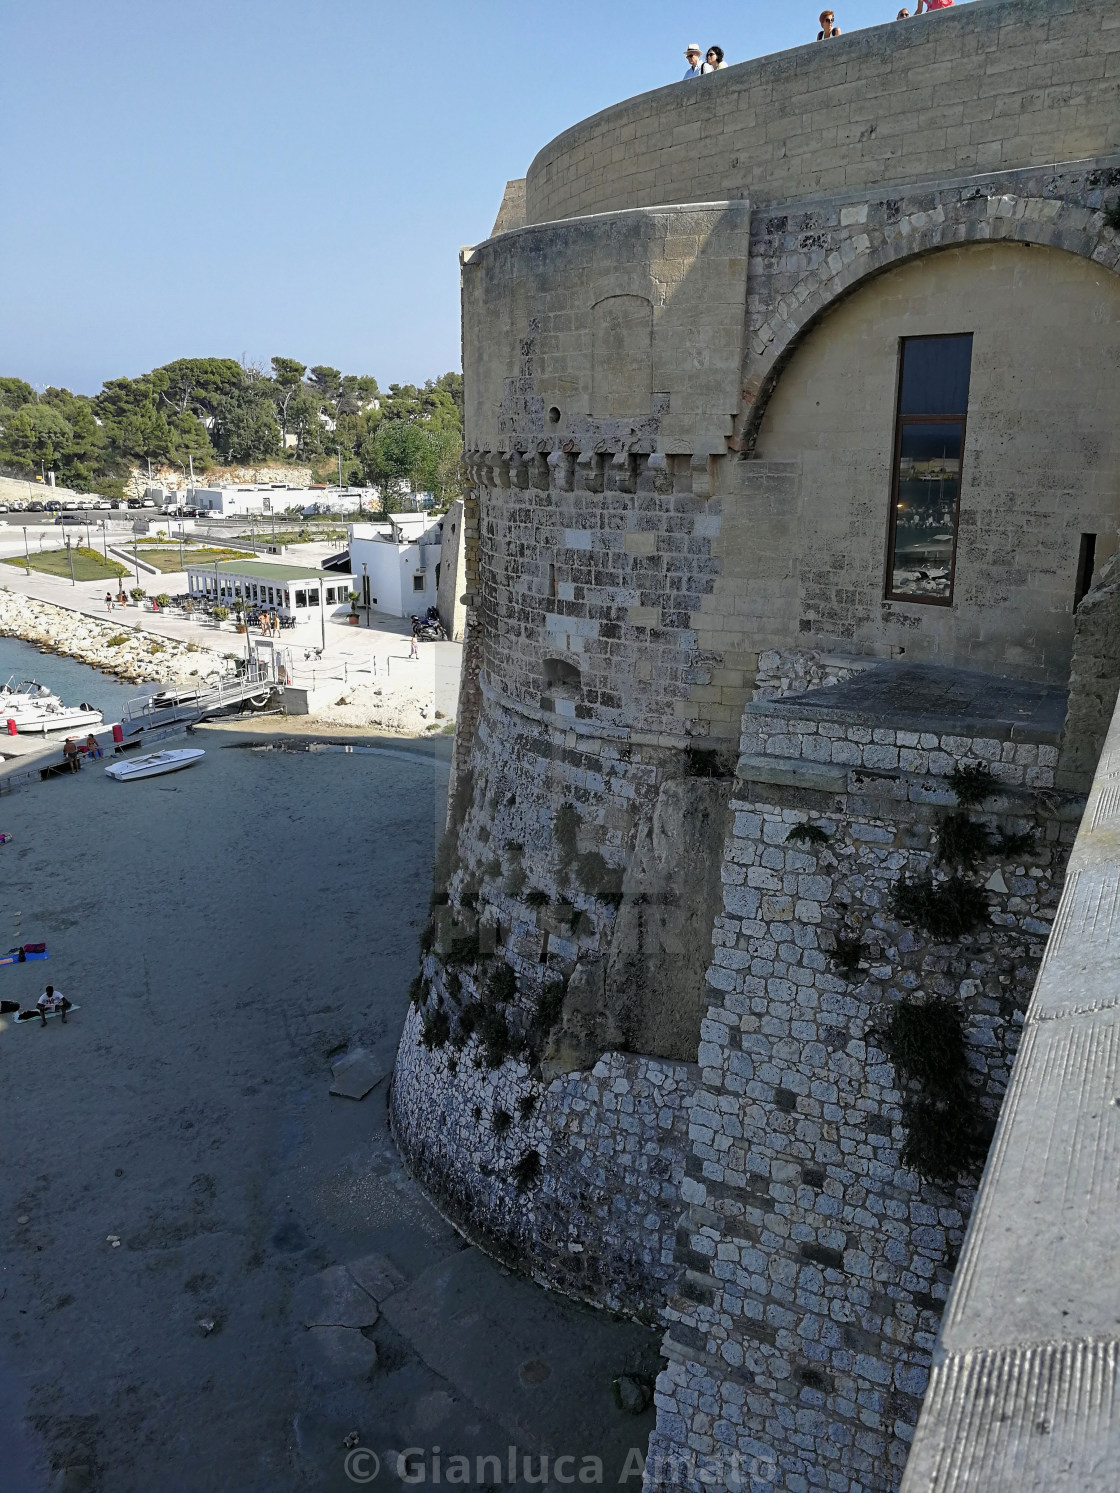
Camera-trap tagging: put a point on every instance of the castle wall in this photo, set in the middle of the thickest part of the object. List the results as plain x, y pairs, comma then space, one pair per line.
1042, 450
680, 414
623, 331
981, 88
816, 1260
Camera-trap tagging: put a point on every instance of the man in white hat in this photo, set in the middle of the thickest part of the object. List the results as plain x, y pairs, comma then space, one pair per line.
692, 54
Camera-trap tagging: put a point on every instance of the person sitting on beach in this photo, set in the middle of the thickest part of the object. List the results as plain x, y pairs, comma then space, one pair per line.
828, 26
71, 754
93, 746
52, 1000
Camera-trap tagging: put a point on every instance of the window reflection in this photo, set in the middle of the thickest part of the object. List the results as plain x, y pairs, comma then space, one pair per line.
929, 470
933, 400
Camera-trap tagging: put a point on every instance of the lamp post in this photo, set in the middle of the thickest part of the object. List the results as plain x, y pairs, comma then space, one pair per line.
136, 560
70, 557
26, 551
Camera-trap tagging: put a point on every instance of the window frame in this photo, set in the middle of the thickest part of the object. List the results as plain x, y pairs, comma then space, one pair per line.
901, 420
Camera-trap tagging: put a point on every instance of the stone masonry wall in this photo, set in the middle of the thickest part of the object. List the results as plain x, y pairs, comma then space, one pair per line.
977, 88
600, 1223
816, 1263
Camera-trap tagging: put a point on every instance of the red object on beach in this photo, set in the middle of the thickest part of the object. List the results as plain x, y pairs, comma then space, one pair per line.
11, 727
118, 733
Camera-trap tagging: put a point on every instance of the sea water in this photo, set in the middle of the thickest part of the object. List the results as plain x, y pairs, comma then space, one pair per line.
72, 681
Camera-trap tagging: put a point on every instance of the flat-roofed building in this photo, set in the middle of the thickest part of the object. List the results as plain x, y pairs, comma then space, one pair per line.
297, 591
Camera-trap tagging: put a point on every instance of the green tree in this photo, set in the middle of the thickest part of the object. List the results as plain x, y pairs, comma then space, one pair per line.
391, 456
195, 383
36, 434
287, 385
326, 384
245, 427
14, 392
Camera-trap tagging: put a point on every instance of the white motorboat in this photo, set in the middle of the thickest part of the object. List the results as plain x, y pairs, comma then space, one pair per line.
34, 708
154, 764
54, 716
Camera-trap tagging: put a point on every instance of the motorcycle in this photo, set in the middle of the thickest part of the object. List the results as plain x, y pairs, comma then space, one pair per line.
425, 630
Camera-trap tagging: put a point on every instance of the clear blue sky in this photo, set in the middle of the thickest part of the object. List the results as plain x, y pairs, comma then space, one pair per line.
229, 177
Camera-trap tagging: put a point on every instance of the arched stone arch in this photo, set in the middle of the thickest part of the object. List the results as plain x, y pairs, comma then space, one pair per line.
861, 253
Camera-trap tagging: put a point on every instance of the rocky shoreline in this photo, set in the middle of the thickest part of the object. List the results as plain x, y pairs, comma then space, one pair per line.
139, 657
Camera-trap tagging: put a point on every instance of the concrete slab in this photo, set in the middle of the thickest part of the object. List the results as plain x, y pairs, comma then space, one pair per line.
356, 1074
377, 1276
342, 1351
927, 697
333, 1298
546, 1378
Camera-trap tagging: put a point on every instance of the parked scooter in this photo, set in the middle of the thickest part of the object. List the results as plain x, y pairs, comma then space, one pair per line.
427, 629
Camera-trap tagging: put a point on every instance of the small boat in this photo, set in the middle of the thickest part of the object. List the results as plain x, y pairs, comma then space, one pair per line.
154, 764
32, 707
57, 717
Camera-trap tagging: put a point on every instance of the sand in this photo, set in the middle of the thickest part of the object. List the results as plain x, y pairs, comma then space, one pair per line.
174, 1158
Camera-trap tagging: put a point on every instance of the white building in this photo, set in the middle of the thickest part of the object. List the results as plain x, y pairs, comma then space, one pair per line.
297, 591
395, 563
341, 500
246, 498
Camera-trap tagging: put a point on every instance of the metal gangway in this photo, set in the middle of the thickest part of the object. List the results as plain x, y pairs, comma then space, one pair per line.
255, 688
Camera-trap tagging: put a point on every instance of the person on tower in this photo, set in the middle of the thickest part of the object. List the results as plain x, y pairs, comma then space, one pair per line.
692, 57
932, 5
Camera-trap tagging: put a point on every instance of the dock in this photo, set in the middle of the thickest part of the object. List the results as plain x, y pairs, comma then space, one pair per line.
147, 718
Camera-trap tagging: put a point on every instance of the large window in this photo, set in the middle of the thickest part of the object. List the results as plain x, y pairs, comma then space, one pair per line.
928, 451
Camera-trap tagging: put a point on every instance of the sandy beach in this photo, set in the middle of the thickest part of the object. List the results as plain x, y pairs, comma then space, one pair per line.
178, 1175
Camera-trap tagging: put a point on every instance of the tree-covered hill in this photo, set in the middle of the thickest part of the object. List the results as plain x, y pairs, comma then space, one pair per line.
214, 410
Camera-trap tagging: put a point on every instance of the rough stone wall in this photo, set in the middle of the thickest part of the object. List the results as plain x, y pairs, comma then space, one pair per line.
600, 571
816, 1262
1093, 685
977, 88
601, 1222
452, 573
641, 527
610, 1127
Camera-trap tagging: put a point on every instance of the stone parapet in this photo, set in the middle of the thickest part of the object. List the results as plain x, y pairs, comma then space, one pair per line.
1024, 1386
980, 87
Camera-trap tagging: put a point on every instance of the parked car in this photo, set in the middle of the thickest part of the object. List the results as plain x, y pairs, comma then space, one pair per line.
134, 503
34, 506
53, 506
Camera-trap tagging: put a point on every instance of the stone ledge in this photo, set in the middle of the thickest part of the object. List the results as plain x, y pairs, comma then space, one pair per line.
792, 772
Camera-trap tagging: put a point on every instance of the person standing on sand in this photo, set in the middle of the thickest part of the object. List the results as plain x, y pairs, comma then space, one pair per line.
52, 1000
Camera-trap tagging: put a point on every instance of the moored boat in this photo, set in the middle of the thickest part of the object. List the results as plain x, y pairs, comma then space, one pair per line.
154, 764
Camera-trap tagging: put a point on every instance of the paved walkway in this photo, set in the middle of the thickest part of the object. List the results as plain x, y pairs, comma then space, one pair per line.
350, 654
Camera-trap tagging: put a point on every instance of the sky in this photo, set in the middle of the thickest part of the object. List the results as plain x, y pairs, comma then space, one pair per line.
244, 178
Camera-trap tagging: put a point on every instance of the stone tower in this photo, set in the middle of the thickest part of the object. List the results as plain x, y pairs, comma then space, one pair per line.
793, 427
